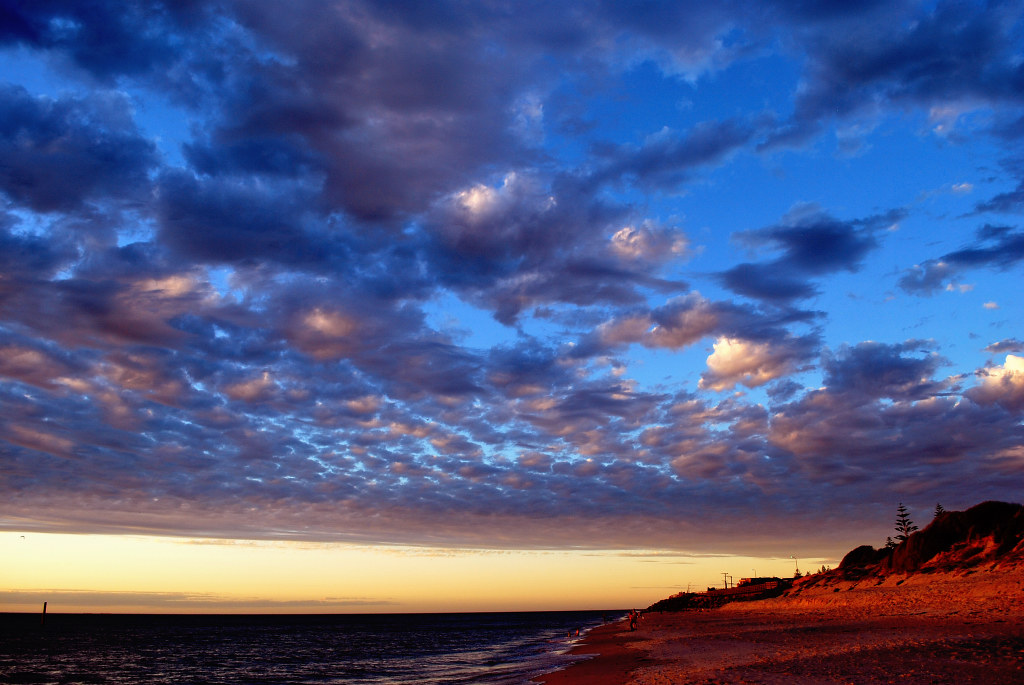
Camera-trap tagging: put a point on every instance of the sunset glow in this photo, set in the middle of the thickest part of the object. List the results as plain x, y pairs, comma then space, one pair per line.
105, 573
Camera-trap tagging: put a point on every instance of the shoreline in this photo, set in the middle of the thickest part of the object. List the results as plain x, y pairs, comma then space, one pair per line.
608, 657
912, 629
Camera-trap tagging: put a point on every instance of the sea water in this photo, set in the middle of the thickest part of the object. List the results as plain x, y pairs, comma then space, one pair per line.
425, 649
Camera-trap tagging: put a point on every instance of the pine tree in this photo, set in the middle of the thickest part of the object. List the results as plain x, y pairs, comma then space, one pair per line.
890, 543
904, 526
939, 509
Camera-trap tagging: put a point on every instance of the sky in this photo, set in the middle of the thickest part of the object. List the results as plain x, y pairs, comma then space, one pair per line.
391, 306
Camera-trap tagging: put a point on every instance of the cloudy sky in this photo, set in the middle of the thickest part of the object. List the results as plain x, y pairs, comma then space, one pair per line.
729, 278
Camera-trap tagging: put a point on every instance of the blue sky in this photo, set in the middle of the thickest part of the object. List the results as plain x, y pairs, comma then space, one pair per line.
686, 276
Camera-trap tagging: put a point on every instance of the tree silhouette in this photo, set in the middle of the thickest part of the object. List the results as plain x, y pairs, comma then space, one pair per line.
939, 509
904, 526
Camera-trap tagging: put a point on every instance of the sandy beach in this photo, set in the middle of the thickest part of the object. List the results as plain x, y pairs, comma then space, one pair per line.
925, 628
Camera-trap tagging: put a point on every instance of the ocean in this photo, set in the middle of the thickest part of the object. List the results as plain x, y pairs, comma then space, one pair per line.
425, 649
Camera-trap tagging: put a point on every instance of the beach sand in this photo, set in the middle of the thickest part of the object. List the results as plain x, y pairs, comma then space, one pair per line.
928, 628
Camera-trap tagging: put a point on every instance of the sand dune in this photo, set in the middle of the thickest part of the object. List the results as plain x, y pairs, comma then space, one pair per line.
964, 627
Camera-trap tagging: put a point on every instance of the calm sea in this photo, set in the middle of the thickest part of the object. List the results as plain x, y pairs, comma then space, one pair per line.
425, 649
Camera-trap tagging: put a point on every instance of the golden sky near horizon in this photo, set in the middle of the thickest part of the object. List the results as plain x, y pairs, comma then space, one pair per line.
131, 574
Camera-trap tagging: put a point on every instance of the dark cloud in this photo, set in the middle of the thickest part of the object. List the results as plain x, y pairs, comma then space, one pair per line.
1001, 247
59, 153
239, 220
1004, 248
527, 243
394, 123
951, 53
812, 244
668, 158
269, 155
819, 243
870, 447
526, 371
878, 370
27, 256
105, 40
835, 9
767, 282
1005, 203
1008, 345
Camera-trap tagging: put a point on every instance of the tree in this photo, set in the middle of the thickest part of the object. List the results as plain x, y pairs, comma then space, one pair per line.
890, 543
904, 526
939, 509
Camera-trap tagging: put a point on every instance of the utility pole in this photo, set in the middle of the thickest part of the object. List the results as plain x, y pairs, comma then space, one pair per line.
725, 579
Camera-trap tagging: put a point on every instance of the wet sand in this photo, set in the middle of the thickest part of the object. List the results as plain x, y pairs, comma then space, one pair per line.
929, 629
610, 655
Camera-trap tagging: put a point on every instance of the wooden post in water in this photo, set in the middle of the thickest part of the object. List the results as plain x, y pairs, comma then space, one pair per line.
43, 621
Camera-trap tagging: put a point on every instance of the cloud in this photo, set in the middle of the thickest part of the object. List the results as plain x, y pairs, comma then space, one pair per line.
258, 389
1010, 202
59, 153
952, 54
812, 244
1008, 345
870, 445
684, 320
27, 361
1002, 385
668, 158
103, 40
233, 220
528, 242
766, 282
995, 246
28, 256
751, 364
175, 600
879, 370
649, 243
228, 233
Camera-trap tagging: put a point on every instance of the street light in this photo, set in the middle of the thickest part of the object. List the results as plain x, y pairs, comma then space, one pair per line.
796, 563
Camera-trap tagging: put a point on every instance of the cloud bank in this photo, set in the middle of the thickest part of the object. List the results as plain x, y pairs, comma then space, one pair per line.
509, 275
